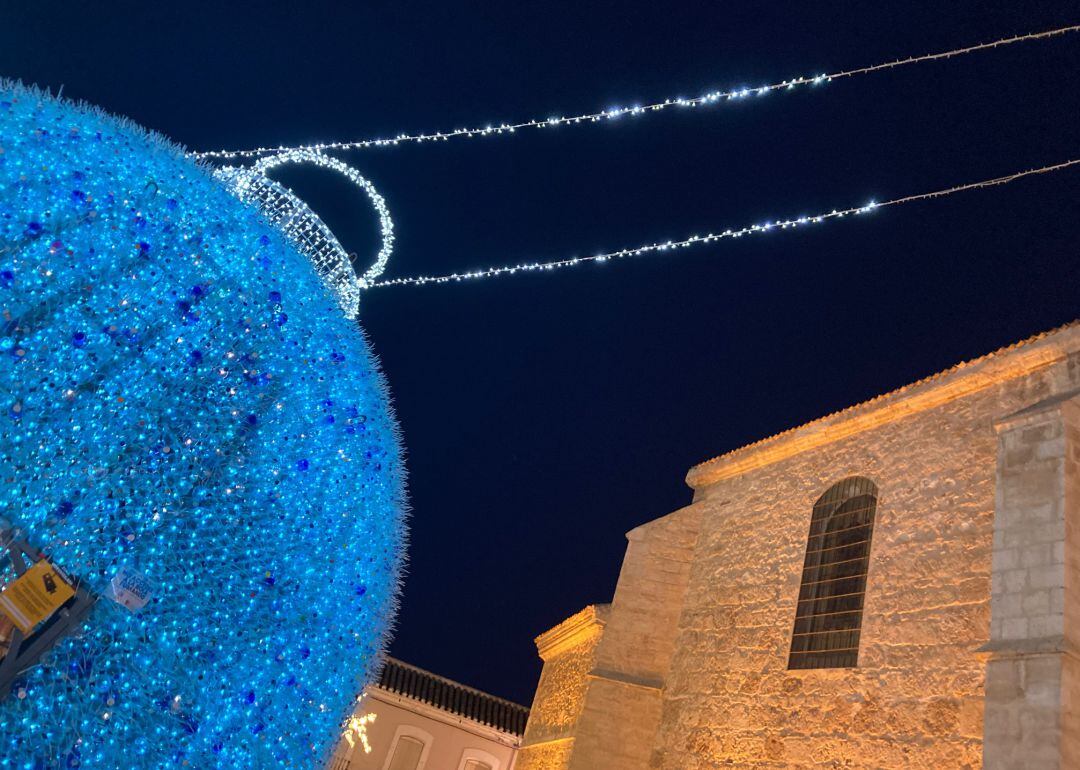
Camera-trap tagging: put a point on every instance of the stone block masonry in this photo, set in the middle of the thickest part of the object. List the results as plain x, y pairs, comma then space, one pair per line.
977, 471
569, 654
1032, 673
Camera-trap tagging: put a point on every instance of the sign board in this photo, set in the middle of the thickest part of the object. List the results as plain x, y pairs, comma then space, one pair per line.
130, 589
34, 595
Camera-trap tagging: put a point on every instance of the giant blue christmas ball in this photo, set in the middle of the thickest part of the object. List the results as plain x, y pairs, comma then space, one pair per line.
182, 399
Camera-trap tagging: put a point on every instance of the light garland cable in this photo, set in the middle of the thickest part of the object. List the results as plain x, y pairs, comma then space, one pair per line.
697, 240
705, 99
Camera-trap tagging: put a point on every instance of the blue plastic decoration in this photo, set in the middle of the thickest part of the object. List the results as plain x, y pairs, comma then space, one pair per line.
182, 399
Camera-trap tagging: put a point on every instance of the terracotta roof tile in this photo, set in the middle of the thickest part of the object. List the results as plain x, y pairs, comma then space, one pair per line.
699, 471
453, 697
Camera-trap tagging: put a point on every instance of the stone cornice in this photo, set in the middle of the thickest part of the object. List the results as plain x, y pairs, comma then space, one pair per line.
627, 679
579, 627
962, 380
1007, 649
1040, 412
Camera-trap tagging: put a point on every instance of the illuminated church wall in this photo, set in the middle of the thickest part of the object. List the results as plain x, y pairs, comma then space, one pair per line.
952, 464
569, 654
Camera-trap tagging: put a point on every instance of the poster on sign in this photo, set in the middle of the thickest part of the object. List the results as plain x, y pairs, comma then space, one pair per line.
130, 589
34, 596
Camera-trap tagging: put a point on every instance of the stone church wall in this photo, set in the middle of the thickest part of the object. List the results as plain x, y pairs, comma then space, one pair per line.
1032, 677
569, 654
687, 669
916, 698
622, 704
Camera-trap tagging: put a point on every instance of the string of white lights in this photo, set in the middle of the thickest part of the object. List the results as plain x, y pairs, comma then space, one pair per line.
697, 240
705, 99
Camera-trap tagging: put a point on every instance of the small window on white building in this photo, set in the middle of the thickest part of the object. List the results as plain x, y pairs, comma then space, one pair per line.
478, 759
407, 754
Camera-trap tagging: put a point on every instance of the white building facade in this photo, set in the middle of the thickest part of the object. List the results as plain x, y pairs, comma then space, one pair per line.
413, 719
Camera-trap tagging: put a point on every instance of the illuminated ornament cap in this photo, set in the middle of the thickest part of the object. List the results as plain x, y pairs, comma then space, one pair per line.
188, 424
305, 229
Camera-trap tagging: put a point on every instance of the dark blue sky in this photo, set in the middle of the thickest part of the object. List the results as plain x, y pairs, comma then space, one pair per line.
545, 415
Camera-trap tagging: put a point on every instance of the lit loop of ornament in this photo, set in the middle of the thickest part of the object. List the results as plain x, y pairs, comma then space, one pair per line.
285, 210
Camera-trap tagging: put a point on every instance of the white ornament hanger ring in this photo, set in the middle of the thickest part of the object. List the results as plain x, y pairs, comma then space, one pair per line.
295, 218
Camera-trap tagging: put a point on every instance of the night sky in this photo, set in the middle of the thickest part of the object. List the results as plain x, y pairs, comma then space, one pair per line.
546, 415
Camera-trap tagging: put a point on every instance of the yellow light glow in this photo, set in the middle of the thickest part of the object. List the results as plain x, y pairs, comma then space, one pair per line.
356, 728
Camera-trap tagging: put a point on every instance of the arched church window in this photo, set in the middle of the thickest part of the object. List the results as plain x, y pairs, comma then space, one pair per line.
828, 618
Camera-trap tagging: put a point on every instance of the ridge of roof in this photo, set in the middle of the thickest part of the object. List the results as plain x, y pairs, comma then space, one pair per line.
453, 697
702, 473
